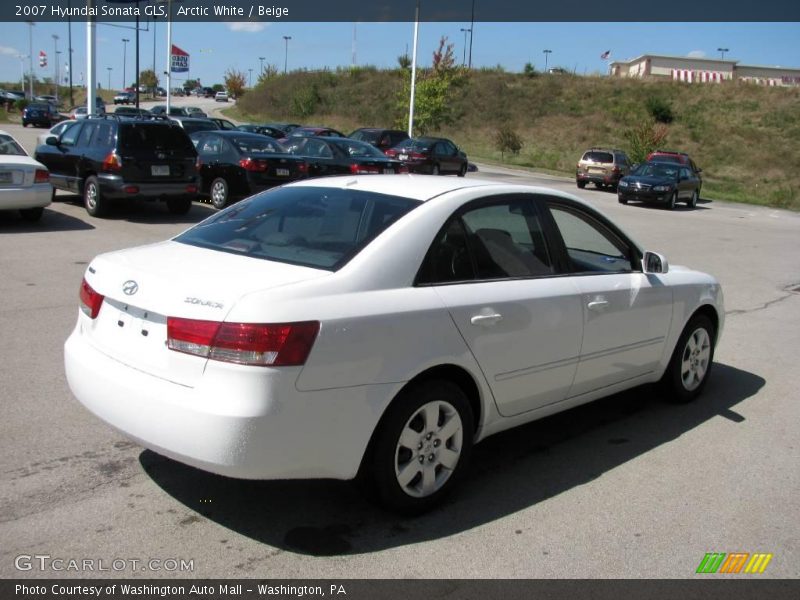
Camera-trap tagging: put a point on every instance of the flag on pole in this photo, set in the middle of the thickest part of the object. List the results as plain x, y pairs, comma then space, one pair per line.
605, 54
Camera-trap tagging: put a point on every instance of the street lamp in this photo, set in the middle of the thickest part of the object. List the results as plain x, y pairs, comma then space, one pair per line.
55, 65
30, 56
109, 69
286, 53
261, 60
250, 78
546, 53
722, 52
124, 62
465, 31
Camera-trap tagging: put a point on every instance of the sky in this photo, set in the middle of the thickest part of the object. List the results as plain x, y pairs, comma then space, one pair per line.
217, 47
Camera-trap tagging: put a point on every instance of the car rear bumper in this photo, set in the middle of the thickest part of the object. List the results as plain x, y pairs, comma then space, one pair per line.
598, 178
643, 196
244, 422
114, 187
35, 196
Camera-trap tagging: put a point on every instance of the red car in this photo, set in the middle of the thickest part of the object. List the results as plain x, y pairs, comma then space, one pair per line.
434, 156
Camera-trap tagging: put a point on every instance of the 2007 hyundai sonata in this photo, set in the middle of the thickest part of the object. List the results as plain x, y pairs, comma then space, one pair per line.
378, 327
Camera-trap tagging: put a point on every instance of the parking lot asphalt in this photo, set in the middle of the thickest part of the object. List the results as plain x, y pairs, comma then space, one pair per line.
626, 487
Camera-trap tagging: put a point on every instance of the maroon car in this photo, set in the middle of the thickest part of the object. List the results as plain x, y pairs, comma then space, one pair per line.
435, 156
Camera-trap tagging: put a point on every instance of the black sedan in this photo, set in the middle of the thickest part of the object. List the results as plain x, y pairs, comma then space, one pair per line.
662, 182
342, 156
435, 156
236, 164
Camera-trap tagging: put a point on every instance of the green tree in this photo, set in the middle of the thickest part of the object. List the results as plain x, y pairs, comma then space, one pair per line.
148, 79
235, 82
191, 84
507, 140
645, 137
268, 73
404, 61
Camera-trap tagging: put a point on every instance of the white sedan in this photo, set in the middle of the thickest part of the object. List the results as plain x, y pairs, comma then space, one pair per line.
24, 182
379, 326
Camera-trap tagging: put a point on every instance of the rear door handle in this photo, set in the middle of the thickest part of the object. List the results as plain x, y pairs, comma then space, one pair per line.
597, 304
486, 319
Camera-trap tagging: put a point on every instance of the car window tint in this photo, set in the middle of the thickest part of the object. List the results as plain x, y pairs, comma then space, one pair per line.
70, 135
506, 241
150, 137
9, 146
358, 149
210, 145
311, 226
590, 247
257, 145
86, 134
448, 259
598, 157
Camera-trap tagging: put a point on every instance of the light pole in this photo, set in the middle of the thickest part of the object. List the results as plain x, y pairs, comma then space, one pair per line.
465, 31
109, 76
413, 74
261, 60
125, 62
30, 56
55, 64
471, 27
722, 52
546, 53
286, 53
250, 78
58, 73
69, 54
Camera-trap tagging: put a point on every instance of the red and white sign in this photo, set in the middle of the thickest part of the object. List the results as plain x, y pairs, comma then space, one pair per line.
180, 60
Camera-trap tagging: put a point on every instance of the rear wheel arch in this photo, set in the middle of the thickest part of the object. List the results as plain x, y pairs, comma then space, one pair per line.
446, 372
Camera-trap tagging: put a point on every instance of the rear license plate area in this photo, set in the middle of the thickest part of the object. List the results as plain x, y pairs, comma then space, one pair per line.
159, 170
282, 172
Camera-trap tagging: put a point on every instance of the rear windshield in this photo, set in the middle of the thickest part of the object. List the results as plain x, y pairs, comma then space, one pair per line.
205, 125
673, 158
253, 144
365, 136
39, 106
150, 137
314, 227
657, 170
357, 149
599, 157
9, 146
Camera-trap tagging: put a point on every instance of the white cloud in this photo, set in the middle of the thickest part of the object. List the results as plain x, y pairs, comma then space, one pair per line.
247, 26
8, 51
696, 54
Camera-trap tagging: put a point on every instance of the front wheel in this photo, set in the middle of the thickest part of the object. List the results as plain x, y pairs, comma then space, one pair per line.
435, 170
581, 184
673, 200
463, 170
622, 200
692, 202
179, 206
219, 193
688, 369
422, 446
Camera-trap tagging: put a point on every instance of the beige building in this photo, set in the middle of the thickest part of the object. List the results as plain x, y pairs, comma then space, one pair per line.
702, 70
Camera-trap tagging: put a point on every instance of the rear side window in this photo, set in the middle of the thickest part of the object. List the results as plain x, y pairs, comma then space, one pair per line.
315, 227
141, 138
598, 157
365, 136
257, 144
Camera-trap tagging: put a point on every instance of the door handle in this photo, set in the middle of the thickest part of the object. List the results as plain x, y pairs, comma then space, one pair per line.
597, 304
486, 319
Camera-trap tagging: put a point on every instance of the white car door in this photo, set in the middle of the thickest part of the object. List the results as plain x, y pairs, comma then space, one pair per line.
492, 269
626, 313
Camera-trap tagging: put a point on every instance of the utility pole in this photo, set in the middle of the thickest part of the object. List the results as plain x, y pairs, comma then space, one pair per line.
413, 74
55, 65
261, 60
465, 31
546, 54
286, 38
30, 57
124, 62
471, 28
69, 55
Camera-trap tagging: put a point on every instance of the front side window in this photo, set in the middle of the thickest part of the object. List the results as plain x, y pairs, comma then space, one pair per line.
591, 248
316, 227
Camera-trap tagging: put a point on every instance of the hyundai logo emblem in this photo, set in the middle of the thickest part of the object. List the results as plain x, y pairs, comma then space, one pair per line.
130, 287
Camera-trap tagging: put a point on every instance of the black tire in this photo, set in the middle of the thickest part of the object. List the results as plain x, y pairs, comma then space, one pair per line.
435, 170
93, 201
581, 184
599, 185
24, 124
179, 206
388, 457
681, 381
622, 200
673, 200
219, 193
692, 202
31, 214
463, 170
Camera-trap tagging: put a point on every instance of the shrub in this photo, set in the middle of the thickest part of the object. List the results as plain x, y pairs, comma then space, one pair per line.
660, 110
530, 70
305, 101
644, 138
507, 140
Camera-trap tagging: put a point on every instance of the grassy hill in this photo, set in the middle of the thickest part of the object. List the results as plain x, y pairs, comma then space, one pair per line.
745, 137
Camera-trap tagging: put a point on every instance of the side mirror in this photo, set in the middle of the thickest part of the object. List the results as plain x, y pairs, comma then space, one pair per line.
51, 140
654, 262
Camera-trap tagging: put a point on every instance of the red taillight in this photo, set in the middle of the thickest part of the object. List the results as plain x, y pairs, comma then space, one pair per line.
391, 152
41, 176
417, 156
131, 189
364, 169
615, 170
191, 189
302, 168
258, 344
198, 163
112, 162
403, 169
91, 301
250, 164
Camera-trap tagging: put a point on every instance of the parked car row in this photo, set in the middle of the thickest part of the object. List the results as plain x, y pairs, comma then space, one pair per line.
666, 177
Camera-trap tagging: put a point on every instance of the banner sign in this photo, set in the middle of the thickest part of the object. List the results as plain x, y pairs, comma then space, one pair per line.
180, 60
